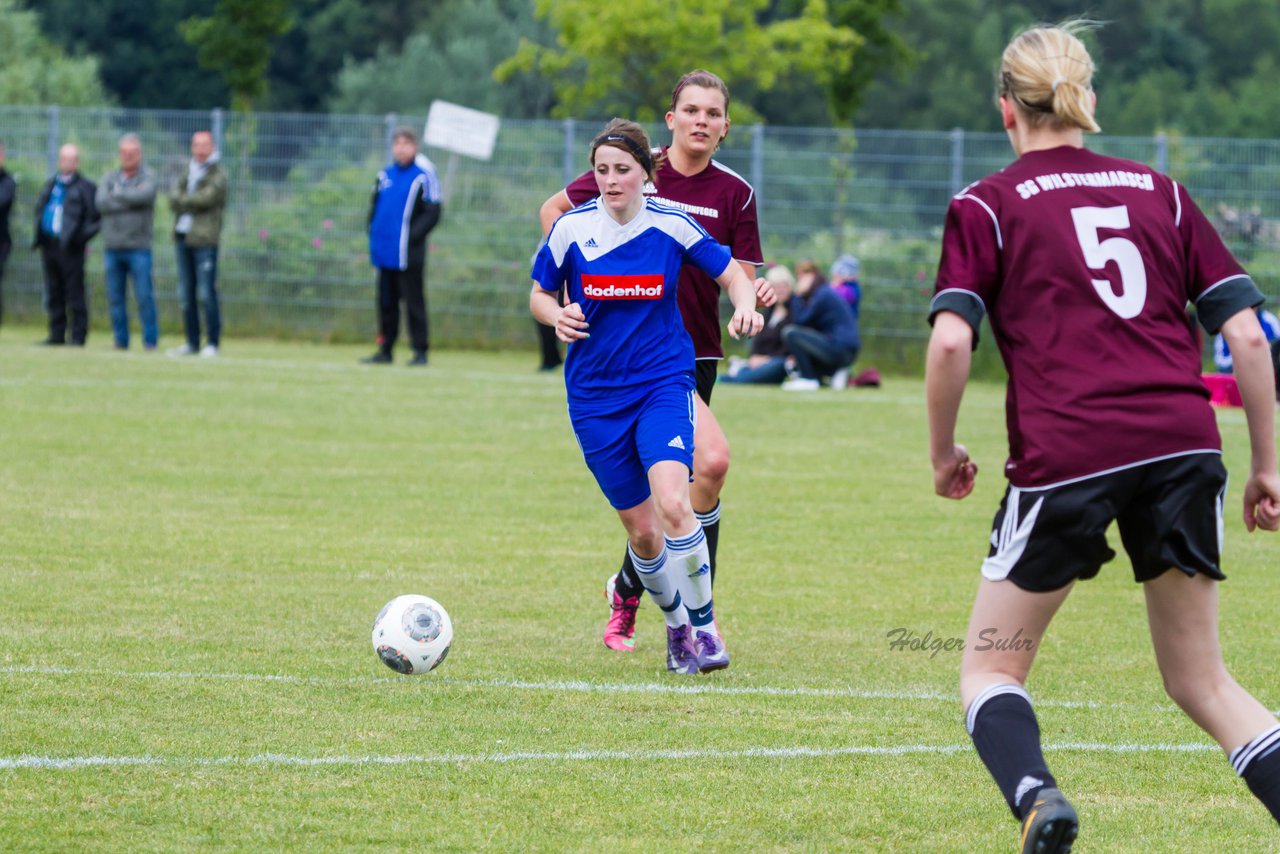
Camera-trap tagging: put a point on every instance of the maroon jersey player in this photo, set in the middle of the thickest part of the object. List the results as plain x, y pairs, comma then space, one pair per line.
724, 204
1084, 266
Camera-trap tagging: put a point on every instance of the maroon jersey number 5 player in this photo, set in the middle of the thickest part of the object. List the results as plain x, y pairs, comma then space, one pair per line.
1084, 265
724, 204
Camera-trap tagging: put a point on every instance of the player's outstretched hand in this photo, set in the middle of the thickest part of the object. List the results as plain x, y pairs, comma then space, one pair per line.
745, 321
954, 475
571, 324
765, 295
1262, 502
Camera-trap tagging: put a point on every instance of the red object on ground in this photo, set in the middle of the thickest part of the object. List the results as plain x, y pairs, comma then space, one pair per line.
1223, 390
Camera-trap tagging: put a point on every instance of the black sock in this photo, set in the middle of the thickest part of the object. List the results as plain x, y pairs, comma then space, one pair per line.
1005, 732
710, 522
628, 585
1258, 762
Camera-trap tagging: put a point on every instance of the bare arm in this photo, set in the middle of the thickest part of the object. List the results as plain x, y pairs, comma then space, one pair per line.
568, 321
1256, 380
765, 296
742, 293
946, 373
552, 209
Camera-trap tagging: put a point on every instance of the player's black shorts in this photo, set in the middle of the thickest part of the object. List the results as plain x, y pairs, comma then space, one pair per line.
1169, 513
704, 375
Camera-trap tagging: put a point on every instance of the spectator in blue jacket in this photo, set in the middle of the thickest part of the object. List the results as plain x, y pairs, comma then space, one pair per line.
404, 209
823, 335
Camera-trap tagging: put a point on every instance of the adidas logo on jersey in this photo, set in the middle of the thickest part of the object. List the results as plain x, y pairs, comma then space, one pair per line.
591, 243
677, 442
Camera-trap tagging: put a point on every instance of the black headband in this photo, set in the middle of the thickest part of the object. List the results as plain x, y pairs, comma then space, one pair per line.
645, 158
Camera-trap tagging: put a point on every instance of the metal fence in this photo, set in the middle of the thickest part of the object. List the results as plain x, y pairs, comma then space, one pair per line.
294, 259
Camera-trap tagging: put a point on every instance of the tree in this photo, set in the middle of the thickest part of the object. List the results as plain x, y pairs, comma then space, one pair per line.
799, 100
236, 41
143, 61
38, 72
623, 58
883, 50
333, 34
952, 81
450, 56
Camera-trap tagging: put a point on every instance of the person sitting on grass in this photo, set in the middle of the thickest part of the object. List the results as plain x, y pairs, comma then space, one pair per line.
822, 336
767, 362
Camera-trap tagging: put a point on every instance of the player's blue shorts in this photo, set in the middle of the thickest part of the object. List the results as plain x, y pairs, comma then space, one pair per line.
623, 436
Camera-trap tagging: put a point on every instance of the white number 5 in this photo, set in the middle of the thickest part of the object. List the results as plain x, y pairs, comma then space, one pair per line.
1133, 273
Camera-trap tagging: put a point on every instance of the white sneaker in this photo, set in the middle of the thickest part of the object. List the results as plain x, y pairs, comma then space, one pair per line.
801, 384
179, 352
840, 379
209, 352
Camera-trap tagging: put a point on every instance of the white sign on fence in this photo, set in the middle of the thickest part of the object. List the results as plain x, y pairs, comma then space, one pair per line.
461, 130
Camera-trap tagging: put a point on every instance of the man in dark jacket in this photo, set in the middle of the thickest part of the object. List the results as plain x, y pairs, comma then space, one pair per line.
66, 220
8, 189
404, 209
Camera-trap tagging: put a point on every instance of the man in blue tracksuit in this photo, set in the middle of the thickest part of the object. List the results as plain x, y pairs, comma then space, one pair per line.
404, 209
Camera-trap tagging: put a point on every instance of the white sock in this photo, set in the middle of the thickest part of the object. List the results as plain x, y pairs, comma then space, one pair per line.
656, 577
690, 563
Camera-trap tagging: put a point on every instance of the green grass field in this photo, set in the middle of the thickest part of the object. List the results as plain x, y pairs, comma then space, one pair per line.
193, 553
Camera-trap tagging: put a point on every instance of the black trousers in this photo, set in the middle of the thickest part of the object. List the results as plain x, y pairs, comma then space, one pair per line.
64, 293
549, 344
408, 285
4, 259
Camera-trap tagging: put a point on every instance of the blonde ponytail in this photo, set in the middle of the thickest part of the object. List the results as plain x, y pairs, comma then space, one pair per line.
1047, 73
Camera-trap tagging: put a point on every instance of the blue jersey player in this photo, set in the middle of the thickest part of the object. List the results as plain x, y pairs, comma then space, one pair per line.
629, 373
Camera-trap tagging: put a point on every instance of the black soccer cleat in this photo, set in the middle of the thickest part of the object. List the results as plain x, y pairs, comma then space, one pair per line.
1050, 826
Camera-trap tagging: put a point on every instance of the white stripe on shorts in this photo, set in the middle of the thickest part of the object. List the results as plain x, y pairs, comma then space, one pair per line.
1011, 539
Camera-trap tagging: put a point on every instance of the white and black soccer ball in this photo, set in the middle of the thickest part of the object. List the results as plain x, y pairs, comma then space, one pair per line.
412, 634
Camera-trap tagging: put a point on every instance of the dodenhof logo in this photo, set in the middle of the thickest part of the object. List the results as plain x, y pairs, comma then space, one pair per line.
623, 287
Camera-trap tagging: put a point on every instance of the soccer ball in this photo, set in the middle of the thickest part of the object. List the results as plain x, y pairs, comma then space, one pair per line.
412, 634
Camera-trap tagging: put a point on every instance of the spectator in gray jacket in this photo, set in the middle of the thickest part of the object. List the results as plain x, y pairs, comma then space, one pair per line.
127, 200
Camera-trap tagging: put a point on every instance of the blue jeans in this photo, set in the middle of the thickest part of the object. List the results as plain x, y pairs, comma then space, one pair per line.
816, 355
198, 288
772, 372
122, 263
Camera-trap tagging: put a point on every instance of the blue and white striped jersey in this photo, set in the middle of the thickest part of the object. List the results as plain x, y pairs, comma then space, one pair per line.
625, 278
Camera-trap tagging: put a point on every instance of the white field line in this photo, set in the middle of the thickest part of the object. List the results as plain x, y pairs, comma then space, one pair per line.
72, 763
566, 686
